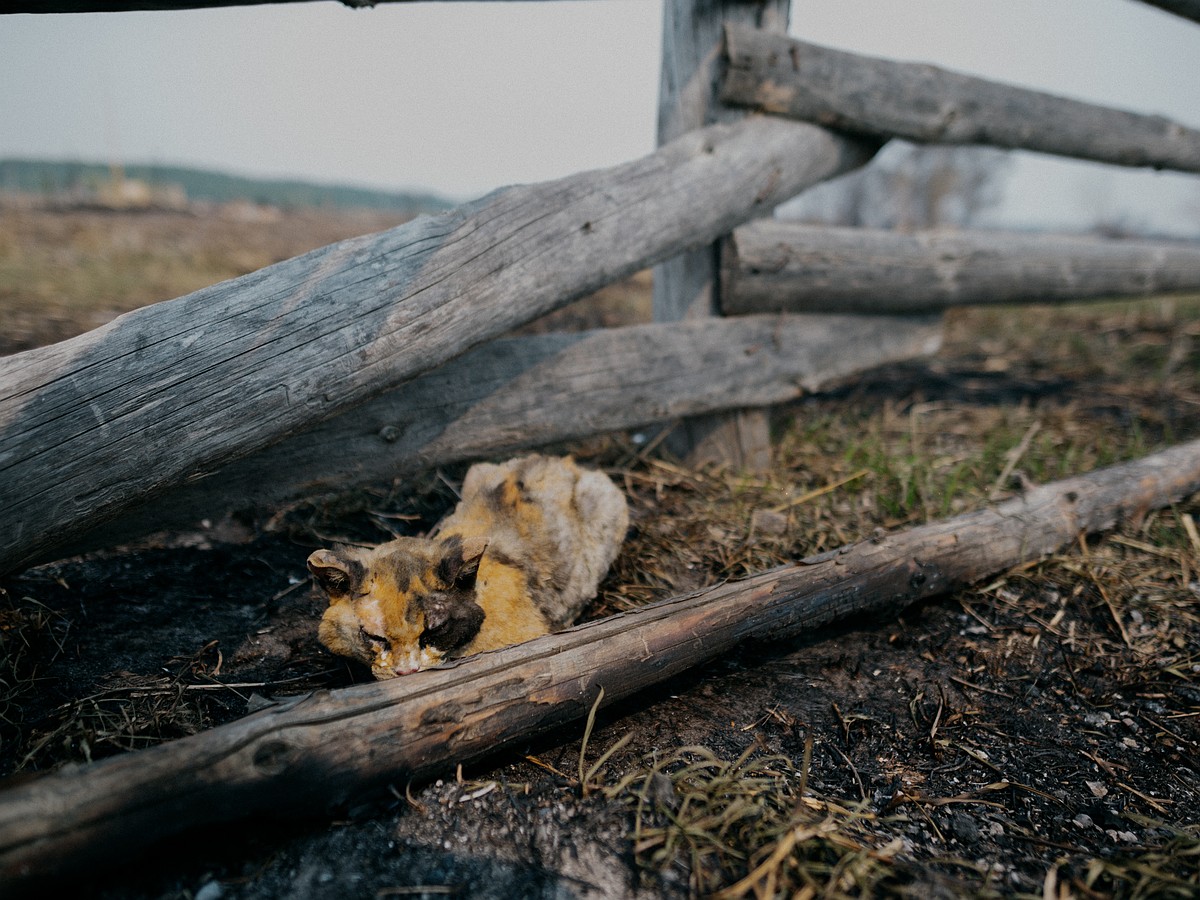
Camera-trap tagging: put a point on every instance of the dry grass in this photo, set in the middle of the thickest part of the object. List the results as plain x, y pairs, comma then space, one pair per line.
129, 711
749, 827
1102, 634
1116, 616
65, 273
30, 640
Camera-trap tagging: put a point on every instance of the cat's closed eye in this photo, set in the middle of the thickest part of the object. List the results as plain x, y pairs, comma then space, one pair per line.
522, 552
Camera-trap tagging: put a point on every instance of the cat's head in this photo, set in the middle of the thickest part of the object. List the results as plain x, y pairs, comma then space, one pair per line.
402, 606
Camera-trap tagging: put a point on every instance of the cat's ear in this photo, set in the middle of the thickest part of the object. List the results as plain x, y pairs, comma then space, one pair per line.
338, 575
459, 564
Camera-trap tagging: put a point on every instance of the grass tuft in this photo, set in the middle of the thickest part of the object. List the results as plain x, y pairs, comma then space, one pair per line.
748, 827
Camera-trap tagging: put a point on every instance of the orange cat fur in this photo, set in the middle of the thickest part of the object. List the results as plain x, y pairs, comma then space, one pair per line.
521, 554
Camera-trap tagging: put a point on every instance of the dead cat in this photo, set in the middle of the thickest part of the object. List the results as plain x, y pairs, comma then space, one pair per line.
520, 556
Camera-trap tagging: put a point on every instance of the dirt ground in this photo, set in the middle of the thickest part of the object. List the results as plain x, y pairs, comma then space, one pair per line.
1036, 735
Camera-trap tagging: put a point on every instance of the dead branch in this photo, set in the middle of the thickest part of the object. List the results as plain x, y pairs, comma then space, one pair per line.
320, 751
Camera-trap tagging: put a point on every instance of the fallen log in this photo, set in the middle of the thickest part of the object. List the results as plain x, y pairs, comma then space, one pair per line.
323, 750
923, 103
515, 393
102, 422
774, 266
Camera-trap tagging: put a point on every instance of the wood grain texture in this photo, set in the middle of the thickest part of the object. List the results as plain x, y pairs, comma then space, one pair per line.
773, 266
927, 104
516, 393
321, 751
686, 286
102, 422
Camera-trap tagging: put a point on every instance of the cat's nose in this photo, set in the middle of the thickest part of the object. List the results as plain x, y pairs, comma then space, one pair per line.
403, 670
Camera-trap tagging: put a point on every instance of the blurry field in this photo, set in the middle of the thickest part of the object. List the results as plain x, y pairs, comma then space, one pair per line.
65, 272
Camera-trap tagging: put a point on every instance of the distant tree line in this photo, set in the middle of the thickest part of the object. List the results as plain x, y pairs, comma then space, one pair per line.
908, 187
56, 178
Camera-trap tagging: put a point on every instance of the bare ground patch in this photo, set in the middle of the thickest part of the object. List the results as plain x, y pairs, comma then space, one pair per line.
1035, 735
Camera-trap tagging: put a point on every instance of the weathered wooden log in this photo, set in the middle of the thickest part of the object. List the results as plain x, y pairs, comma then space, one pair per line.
99, 423
1189, 9
515, 393
773, 266
686, 286
320, 751
867, 95
86, 6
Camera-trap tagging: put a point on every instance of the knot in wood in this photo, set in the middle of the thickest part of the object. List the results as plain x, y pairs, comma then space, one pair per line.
925, 578
274, 756
389, 434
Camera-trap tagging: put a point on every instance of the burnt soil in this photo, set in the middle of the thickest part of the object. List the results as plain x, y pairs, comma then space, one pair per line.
1035, 735
997, 746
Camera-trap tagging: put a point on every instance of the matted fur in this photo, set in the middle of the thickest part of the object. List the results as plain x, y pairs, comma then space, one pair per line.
521, 555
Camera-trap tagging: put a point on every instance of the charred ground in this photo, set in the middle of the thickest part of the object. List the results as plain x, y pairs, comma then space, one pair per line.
1038, 733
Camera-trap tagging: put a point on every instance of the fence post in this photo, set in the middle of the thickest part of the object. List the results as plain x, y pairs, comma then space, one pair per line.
686, 286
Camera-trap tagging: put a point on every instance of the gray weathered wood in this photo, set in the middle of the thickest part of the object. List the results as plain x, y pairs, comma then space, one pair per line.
773, 266
1189, 9
923, 103
99, 423
86, 6
310, 754
515, 393
686, 286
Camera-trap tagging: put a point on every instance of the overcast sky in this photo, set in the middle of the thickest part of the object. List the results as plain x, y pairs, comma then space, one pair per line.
463, 97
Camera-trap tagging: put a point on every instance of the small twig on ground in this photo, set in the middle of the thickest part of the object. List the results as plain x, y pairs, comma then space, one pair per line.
817, 492
1189, 525
1012, 457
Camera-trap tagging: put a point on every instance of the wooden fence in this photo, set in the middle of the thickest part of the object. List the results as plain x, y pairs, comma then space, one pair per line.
389, 348
146, 422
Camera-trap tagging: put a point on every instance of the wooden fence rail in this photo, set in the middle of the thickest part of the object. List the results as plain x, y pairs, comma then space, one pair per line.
1189, 9
923, 103
516, 393
94, 425
307, 755
775, 266
86, 6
